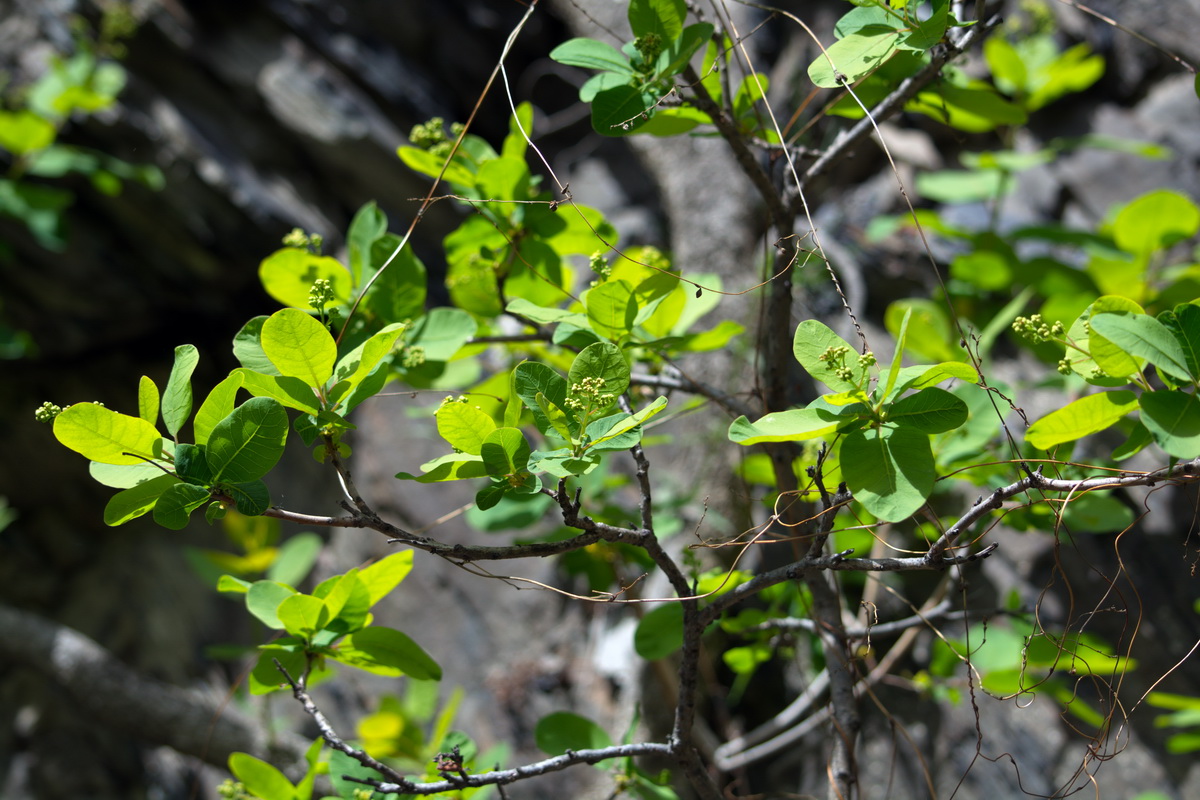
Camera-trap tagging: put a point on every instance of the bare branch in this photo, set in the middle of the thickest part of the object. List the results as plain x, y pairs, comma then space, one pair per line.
506, 776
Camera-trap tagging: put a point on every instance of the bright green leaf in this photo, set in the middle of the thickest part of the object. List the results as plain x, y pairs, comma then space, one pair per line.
263, 599
464, 426
260, 778
99, 434
385, 651
177, 398
385, 574
148, 400
216, 407
302, 615
288, 276
1144, 337
1085, 416
299, 346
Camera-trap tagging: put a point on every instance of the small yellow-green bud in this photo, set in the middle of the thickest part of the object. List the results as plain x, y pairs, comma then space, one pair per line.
47, 412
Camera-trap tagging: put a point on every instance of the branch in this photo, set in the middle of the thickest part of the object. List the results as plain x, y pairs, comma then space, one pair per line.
894, 102
506, 776
1037, 481
102, 687
327, 732
683, 384
837, 562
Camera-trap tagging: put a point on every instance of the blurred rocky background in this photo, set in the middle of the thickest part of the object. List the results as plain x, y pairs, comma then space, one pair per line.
244, 120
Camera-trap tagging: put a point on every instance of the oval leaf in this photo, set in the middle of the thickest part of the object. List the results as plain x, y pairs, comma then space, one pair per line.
1173, 419
889, 470
99, 434
660, 632
299, 346
1085, 416
385, 651
249, 442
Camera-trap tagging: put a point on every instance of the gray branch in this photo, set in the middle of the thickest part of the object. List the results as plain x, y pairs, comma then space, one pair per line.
119, 698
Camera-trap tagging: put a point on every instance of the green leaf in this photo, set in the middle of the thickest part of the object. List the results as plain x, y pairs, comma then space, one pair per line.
922, 376
442, 332
545, 316
796, 425
176, 504
23, 132
1097, 513
295, 558
177, 399
1085, 416
299, 346
427, 163
260, 778
603, 361
191, 465
303, 615
811, 341
611, 309
853, 57
1173, 418
1184, 324
621, 110
894, 368
451, 467
680, 51
385, 651
930, 31
660, 632
505, 452
605, 430
288, 391
662, 17
561, 731
385, 574
124, 476
562, 463
368, 225
531, 379
247, 348
464, 426
148, 400
263, 599
288, 276
216, 407
251, 498
136, 501
930, 410
591, 54
99, 434
1154, 221
890, 471
1144, 337
249, 442
1103, 356
558, 419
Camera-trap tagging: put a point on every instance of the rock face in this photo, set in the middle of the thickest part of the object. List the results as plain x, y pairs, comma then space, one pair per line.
271, 114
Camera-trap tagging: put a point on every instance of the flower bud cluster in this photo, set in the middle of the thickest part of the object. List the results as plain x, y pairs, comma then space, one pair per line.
589, 393
1036, 329
47, 412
